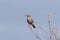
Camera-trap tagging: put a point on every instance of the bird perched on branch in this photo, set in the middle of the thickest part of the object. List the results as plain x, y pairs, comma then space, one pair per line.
30, 21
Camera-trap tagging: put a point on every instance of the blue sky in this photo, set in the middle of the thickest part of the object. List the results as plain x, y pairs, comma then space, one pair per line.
13, 25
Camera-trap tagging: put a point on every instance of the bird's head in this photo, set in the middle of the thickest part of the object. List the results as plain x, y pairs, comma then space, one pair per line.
27, 15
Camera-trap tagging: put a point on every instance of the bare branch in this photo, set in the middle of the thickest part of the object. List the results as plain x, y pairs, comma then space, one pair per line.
36, 34
43, 30
55, 33
49, 26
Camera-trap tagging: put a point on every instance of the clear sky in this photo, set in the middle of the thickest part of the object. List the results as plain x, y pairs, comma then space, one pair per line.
13, 25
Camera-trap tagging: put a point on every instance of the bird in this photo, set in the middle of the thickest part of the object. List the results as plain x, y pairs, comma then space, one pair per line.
30, 21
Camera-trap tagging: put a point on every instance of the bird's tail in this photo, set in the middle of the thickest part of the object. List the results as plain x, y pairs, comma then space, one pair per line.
33, 26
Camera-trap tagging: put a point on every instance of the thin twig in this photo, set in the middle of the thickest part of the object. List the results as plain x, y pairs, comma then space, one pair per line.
36, 34
49, 27
55, 33
43, 30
